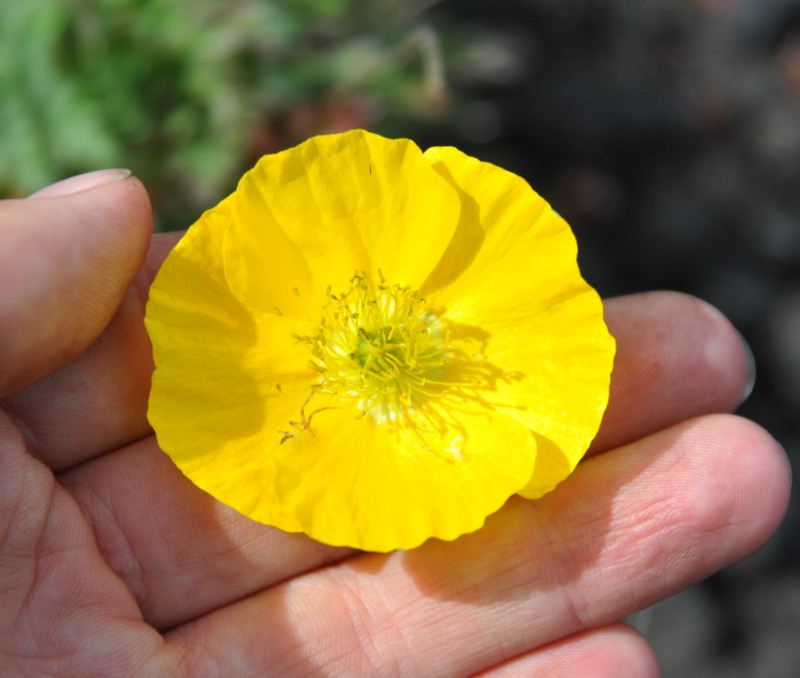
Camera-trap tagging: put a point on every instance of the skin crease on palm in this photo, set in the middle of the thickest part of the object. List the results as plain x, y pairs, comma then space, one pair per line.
112, 564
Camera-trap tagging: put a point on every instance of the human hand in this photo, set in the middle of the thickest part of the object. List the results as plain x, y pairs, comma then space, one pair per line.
113, 564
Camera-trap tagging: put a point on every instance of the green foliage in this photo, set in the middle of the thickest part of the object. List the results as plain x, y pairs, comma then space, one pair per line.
188, 94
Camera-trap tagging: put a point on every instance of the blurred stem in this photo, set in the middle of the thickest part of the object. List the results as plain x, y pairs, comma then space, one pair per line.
425, 42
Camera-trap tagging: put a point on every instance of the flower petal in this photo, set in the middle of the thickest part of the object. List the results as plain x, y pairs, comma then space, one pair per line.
351, 481
312, 216
216, 378
514, 275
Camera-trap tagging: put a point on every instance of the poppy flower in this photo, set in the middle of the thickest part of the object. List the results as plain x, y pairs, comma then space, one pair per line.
375, 345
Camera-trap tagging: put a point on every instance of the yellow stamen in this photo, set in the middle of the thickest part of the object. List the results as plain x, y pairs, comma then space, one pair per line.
381, 347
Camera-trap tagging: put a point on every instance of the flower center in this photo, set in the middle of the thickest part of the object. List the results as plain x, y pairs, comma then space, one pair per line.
381, 347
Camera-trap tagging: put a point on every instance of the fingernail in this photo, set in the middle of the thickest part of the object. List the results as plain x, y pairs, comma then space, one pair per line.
751, 369
82, 182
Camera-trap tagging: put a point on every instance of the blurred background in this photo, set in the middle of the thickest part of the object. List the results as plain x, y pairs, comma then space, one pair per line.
666, 131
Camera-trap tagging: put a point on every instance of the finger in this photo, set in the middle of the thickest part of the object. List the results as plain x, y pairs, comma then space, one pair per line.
627, 528
65, 262
615, 651
677, 358
65, 425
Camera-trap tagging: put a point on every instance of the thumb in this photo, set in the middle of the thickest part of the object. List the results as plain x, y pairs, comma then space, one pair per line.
67, 255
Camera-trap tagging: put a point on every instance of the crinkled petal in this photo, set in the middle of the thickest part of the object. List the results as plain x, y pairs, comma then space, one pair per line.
351, 481
511, 271
312, 216
216, 377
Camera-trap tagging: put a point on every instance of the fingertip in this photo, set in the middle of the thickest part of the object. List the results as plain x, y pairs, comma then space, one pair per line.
627, 653
697, 336
677, 357
725, 359
65, 262
766, 478
614, 651
735, 488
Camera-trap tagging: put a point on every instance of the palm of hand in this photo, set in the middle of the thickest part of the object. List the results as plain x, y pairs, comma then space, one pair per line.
112, 564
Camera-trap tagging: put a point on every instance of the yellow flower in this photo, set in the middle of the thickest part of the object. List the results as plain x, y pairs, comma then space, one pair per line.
376, 345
